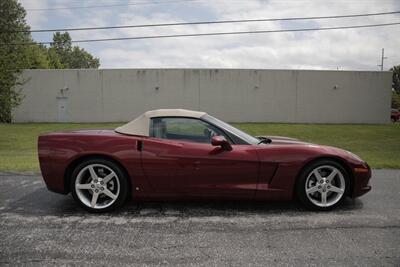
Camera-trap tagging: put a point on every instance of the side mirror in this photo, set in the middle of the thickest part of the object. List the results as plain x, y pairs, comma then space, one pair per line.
217, 140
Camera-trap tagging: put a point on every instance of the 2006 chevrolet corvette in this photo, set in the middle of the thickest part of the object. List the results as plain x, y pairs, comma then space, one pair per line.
181, 154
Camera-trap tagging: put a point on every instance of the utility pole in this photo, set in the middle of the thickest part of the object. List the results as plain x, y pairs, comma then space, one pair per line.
382, 59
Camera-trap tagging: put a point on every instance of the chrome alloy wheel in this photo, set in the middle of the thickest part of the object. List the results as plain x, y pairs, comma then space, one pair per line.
325, 186
97, 186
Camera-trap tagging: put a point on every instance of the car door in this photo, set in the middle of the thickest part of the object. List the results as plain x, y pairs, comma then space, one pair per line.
205, 169
178, 158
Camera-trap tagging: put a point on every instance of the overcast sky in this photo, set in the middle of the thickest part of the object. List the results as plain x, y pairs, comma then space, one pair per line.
354, 49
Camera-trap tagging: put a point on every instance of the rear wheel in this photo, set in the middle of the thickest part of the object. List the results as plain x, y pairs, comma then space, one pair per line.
323, 185
99, 185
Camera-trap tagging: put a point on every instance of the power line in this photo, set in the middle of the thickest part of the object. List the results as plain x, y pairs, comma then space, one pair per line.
114, 5
215, 34
205, 22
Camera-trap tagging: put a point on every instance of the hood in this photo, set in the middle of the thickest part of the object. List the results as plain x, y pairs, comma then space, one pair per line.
281, 140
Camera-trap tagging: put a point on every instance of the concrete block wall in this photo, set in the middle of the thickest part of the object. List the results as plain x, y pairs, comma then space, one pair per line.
234, 95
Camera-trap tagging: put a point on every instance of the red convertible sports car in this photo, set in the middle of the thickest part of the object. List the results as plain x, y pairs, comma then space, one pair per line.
172, 154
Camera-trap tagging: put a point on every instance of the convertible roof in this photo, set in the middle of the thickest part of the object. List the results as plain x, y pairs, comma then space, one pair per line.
141, 125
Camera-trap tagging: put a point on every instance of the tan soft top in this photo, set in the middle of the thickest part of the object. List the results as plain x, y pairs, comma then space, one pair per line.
141, 125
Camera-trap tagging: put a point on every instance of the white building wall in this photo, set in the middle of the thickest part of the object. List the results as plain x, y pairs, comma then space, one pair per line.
235, 95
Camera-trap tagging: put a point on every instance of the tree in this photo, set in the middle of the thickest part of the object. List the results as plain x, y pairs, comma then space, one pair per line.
81, 59
61, 47
396, 87
54, 59
12, 57
37, 57
396, 100
396, 78
72, 57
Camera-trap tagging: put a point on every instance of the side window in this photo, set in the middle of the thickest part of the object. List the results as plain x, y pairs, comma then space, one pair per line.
185, 129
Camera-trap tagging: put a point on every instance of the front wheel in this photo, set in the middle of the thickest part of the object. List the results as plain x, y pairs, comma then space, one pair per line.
99, 185
323, 185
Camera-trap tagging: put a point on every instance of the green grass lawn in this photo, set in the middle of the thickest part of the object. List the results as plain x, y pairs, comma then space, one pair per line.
379, 145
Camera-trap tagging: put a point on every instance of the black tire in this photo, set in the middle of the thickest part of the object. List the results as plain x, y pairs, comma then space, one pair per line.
122, 183
302, 179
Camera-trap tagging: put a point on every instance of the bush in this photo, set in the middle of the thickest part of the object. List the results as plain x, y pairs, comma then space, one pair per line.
395, 100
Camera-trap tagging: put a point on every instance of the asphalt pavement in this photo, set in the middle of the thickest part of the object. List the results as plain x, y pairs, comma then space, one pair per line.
39, 228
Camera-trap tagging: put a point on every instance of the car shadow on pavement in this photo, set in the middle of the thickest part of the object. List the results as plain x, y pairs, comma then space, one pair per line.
41, 202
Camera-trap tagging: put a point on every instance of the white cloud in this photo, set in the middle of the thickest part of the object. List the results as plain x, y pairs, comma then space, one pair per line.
346, 49
35, 19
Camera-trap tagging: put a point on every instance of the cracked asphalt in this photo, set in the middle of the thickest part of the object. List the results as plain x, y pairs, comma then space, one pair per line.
39, 228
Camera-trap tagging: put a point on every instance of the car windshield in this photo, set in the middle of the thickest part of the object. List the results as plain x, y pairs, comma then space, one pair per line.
225, 126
